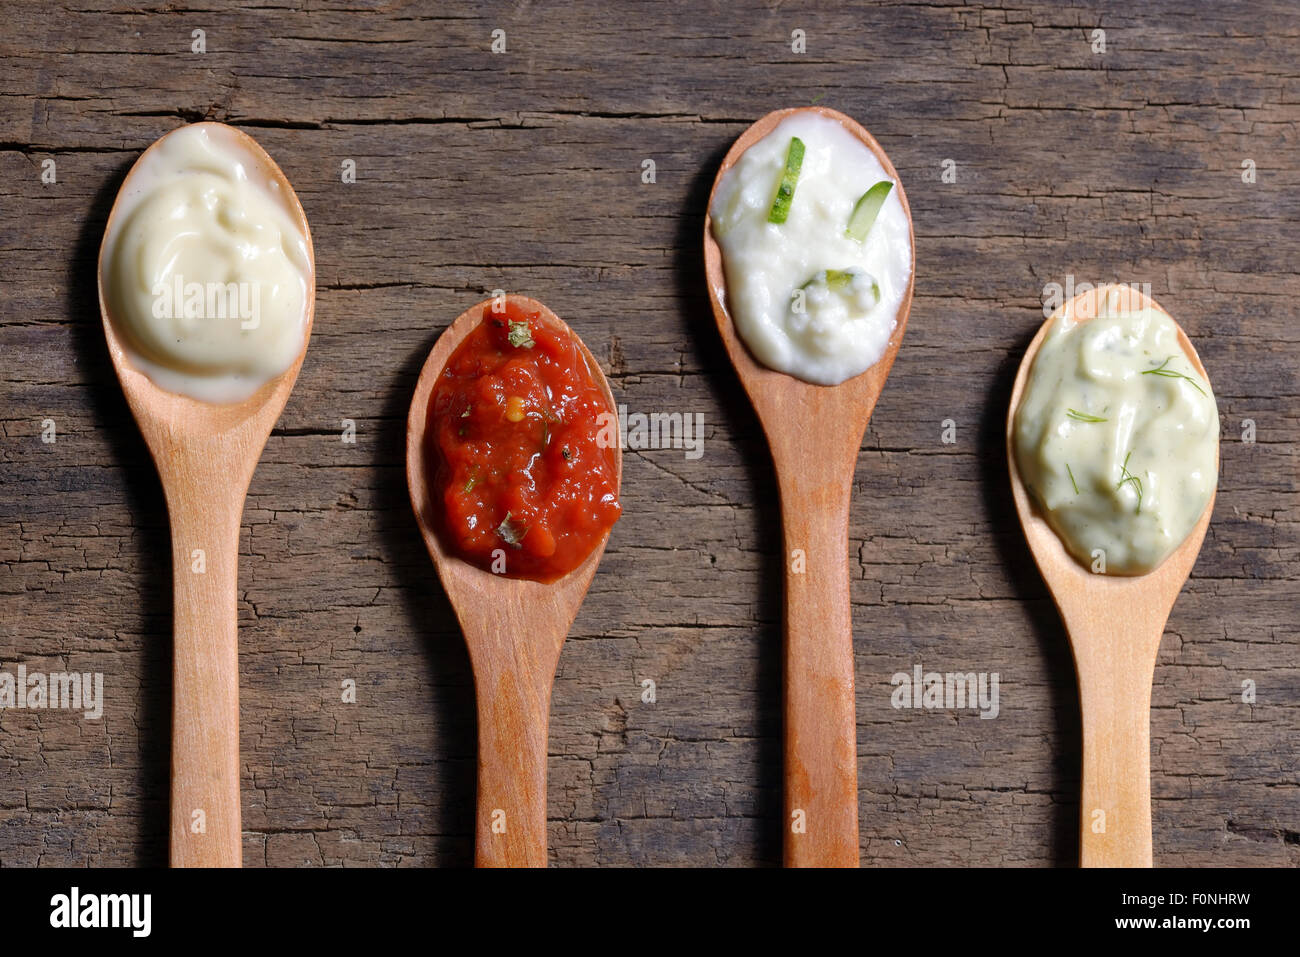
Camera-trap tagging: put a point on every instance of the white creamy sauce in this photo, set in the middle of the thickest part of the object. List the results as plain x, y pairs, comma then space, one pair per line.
821, 332
206, 271
1135, 483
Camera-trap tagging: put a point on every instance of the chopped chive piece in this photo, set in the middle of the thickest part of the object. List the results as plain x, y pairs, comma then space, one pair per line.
1160, 370
839, 278
510, 531
520, 336
785, 192
1084, 416
866, 210
1072, 481
833, 278
473, 480
1126, 476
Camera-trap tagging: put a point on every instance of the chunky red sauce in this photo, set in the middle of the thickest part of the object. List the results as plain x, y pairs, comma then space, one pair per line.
518, 422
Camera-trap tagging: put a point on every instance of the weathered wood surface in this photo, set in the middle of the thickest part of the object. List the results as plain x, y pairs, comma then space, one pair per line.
523, 171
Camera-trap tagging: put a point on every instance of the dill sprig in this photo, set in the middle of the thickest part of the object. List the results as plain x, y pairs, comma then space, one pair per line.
1160, 370
1084, 416
1126, 476
1072, 481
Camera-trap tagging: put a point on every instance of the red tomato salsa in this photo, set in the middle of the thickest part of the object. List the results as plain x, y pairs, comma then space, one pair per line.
519, 448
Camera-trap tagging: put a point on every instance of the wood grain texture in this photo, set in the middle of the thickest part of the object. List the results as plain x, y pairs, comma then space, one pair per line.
524, 171
1115, 624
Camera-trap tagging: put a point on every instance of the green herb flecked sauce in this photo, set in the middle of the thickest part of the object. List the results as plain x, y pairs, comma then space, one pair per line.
1117, 437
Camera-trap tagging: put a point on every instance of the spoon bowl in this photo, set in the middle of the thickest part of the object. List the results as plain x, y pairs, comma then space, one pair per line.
1115, 624
514, 630
815, 434
205, 454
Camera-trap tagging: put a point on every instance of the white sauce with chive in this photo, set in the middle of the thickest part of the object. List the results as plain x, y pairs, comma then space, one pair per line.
205, 269
816, 331
1117, 438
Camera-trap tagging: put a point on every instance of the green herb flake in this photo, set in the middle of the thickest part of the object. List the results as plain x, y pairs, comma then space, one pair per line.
1167, 373
866, 209
511, 532
473, 480
833, 279
1072, 481
1084, 416
785, 191
1126, 476
520, 336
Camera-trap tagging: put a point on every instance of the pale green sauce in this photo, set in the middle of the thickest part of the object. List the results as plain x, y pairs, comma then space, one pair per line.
1116, 438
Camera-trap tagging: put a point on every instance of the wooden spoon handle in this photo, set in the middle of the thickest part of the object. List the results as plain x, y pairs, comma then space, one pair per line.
513, 721
821, 777
1115, 646
1115, 800
205, 824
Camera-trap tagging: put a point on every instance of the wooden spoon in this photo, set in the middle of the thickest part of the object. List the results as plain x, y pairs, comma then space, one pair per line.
815, 433
1115, 624
205, 454
514, 630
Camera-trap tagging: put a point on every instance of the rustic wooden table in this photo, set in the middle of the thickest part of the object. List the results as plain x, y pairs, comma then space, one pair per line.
525, 170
